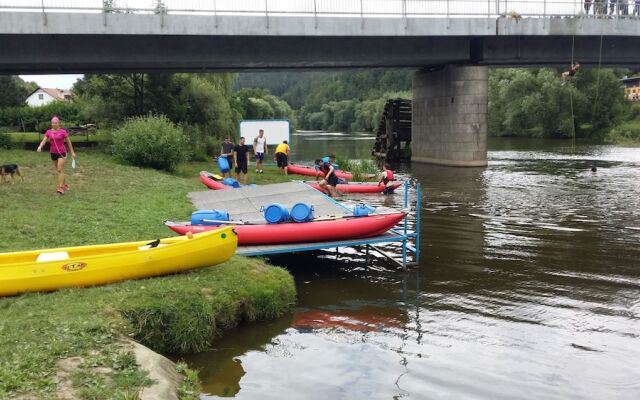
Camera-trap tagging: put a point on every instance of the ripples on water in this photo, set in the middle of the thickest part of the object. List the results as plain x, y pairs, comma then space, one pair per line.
528, 287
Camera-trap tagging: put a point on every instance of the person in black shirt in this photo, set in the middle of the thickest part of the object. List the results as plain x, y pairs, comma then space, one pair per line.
241, 162
227, 151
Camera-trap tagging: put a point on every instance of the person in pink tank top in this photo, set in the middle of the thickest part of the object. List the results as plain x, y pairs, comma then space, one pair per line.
57, 137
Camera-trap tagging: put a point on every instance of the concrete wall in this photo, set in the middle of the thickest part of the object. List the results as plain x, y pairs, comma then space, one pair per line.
449, 124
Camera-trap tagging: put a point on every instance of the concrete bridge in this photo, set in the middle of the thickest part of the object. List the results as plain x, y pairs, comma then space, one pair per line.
449, 42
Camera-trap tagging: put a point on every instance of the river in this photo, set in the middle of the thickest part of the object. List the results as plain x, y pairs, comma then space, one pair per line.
528, 287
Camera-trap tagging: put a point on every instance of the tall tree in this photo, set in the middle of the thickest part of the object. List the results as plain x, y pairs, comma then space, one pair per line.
13, 91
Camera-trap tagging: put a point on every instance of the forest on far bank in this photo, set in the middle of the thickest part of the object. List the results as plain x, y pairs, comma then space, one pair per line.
530, 102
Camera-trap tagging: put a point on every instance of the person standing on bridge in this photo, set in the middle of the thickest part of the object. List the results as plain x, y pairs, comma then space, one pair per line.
587, 6
636, 9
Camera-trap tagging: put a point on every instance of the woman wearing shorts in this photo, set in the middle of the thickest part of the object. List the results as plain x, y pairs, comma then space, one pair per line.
57, 136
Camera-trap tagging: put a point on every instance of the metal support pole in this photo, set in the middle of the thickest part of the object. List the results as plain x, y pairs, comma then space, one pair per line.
215, 14
406, 221
366, 249
404, 14
44, 14
315, 13
266, 11
544, 8
417, 224
361, 15
404, 254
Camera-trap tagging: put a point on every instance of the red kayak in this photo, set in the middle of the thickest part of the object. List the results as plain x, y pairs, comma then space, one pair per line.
357, 187
210, 181
310, 171
314, 231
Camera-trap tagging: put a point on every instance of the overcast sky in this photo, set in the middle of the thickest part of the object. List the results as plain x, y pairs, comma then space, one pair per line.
53, 81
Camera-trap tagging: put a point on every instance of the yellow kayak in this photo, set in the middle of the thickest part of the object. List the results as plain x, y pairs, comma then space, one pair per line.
51, 269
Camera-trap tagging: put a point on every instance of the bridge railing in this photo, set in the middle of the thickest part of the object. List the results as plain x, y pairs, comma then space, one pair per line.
360, 8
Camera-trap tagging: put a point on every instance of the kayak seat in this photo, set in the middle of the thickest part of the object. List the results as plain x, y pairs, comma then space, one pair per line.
53, 256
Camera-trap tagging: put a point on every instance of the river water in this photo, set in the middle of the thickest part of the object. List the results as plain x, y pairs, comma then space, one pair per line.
528, 287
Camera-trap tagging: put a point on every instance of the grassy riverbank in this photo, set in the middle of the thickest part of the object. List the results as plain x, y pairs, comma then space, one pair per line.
108, 201
71, 340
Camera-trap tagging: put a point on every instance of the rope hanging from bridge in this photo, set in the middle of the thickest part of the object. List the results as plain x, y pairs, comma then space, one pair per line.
595, 102
573, 121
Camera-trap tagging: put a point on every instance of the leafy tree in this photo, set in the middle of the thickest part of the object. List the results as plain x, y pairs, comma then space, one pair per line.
13, 91
535, 103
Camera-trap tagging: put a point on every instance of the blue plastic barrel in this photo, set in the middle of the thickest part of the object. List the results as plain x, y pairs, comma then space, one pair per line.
275, 213
199, 217
362, 210
301, 212
231, 182
223, 164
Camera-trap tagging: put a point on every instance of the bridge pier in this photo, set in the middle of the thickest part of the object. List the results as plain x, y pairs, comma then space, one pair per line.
449, 122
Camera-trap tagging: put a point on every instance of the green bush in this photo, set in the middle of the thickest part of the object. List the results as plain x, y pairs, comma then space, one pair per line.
5, 141
27, 118
625, 133
151, 141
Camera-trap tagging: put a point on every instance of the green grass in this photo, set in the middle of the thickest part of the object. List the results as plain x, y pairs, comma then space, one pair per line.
109, 202
360, 169
35, 137
271, 173
625, 134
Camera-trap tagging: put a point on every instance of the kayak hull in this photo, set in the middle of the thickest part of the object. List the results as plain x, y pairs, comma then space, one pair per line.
356, 187
310, 171
314, 231
211, 183
101, 264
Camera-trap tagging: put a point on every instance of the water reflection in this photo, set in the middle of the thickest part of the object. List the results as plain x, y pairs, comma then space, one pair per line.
306, 146
528, 287
222, 368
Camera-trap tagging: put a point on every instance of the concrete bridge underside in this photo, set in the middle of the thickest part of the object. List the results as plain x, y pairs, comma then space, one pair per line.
452, 54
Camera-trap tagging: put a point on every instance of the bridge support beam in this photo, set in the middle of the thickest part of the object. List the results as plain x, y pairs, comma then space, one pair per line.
449, 122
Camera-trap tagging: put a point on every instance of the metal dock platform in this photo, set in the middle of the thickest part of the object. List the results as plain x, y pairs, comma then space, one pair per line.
245, 204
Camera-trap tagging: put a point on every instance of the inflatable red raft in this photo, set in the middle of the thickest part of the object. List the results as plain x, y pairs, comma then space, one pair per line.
357, 187
211, 182
310, 171
345, 228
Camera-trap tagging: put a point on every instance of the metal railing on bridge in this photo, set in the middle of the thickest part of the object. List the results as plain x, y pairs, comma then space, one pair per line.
343, 8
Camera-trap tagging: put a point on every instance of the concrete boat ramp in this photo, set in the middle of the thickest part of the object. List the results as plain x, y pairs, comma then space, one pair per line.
245, 204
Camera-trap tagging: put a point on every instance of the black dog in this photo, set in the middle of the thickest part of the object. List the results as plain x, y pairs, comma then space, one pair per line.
9, 169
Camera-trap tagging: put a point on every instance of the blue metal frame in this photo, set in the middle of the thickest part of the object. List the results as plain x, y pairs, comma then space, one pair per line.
402, 235
322, 246
416, 232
